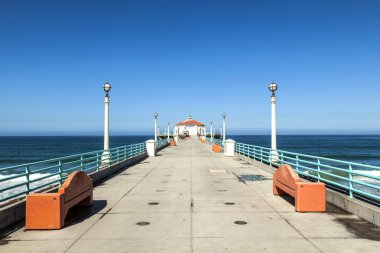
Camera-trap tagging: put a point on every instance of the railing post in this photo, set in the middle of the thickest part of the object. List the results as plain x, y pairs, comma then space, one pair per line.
125, 152
281, 157
97, 162
254, 152
27, 179
261, 154
350, 180
270, 158
297, 164
60, 172
118, 155
81, 163
109, 159
319, 169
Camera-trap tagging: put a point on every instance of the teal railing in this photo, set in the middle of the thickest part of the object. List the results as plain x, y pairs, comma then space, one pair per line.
18, 181
161, 142
356, 180
215, 141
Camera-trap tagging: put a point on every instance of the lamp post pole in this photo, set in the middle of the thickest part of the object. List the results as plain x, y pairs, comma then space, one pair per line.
211, 131
224, 127
168, 131
107, 88
274, 154
155, 127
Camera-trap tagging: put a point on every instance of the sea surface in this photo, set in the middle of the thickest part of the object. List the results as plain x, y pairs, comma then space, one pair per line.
363, 149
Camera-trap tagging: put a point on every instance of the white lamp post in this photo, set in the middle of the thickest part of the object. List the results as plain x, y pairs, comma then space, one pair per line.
155, 127
274, 154
107, 88
224, 126
168, 131
211, 131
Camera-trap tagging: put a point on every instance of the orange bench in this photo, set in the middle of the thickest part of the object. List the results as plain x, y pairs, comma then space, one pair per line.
172, 143
216, 148
309, 197
48, 210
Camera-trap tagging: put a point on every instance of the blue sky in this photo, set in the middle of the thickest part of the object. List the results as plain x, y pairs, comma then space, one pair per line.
189, 57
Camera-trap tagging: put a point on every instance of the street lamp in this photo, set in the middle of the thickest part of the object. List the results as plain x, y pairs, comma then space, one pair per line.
211, 131
155, 127
107, 88
224, 127
274, 154
168, 131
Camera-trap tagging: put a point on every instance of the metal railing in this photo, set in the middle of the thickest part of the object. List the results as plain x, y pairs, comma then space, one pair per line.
161, 142
18, 181
356, 180
215, 141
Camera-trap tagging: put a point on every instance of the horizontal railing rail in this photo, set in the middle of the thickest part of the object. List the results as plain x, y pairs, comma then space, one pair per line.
355, 179
215, 141
20, 180
161, 142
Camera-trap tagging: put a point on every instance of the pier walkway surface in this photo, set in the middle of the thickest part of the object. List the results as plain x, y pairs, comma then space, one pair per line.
191, 199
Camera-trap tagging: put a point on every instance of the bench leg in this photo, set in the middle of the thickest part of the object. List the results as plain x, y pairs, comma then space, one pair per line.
310, 197
44, 211
278, 191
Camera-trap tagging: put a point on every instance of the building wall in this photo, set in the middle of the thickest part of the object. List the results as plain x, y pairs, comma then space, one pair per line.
192, 129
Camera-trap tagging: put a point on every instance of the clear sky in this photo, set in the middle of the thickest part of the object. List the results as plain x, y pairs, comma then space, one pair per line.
189, 57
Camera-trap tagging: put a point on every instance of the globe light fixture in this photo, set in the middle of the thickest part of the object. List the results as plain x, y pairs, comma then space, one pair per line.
107, 87
273, 87
224, 115
155, 115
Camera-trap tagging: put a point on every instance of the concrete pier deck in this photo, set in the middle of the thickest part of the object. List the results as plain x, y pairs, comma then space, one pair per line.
188, 199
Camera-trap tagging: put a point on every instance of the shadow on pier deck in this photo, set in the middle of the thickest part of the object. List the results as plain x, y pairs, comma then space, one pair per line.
191, 200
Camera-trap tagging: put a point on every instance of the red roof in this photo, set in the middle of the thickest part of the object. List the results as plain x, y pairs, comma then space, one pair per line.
189, 122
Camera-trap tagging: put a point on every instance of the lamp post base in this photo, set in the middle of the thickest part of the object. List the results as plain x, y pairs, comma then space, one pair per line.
105, 157
274, 156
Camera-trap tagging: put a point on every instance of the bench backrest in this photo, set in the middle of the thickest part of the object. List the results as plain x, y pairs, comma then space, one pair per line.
77, 183
286, 175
